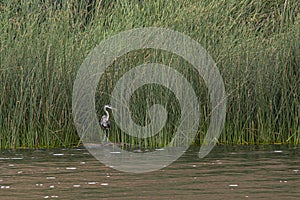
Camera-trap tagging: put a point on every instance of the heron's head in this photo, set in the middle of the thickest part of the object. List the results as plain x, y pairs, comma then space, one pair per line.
108, 106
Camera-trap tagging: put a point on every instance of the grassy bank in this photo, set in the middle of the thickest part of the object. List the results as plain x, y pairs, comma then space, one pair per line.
256, 45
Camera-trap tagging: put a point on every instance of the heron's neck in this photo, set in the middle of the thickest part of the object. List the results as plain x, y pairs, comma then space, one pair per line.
107, 114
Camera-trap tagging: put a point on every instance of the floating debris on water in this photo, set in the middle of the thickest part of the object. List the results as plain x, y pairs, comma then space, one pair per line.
91, 183
77, 186
282, 181
115, 152
13, 158
58, 154
71, 168
50, 177
233, 185
218, 161
53, 196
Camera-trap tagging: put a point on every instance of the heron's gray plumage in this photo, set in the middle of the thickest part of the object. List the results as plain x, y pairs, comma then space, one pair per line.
105, 123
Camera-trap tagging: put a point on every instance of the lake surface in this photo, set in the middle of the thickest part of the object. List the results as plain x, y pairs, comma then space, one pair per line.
228, 172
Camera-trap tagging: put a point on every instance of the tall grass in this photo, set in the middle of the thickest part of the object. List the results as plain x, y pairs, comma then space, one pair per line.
256, 45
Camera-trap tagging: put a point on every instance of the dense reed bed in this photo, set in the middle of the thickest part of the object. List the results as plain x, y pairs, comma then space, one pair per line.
256, 45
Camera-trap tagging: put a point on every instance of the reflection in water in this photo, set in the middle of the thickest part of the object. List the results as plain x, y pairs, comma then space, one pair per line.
247, 172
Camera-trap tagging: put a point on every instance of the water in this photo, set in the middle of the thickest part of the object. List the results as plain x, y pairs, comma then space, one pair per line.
244, 172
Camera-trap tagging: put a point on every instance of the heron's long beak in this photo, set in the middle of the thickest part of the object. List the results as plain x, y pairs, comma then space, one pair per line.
112, 108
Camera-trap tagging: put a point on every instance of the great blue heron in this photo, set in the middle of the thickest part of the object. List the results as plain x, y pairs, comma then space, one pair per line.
105, 123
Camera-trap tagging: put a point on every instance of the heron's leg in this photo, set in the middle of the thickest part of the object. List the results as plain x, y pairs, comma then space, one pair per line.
108, 130
106, 138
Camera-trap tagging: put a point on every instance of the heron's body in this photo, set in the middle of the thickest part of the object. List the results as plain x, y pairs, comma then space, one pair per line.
105, 123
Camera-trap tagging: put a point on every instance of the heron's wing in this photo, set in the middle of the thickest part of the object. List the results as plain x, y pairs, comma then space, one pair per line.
105, 122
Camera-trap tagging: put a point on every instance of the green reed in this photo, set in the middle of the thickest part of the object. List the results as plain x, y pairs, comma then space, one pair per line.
255, 44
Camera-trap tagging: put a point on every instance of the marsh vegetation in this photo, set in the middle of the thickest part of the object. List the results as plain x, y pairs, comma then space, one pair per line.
255, 44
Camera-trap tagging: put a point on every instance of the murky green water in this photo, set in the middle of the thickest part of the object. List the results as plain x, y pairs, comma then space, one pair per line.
248, 172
